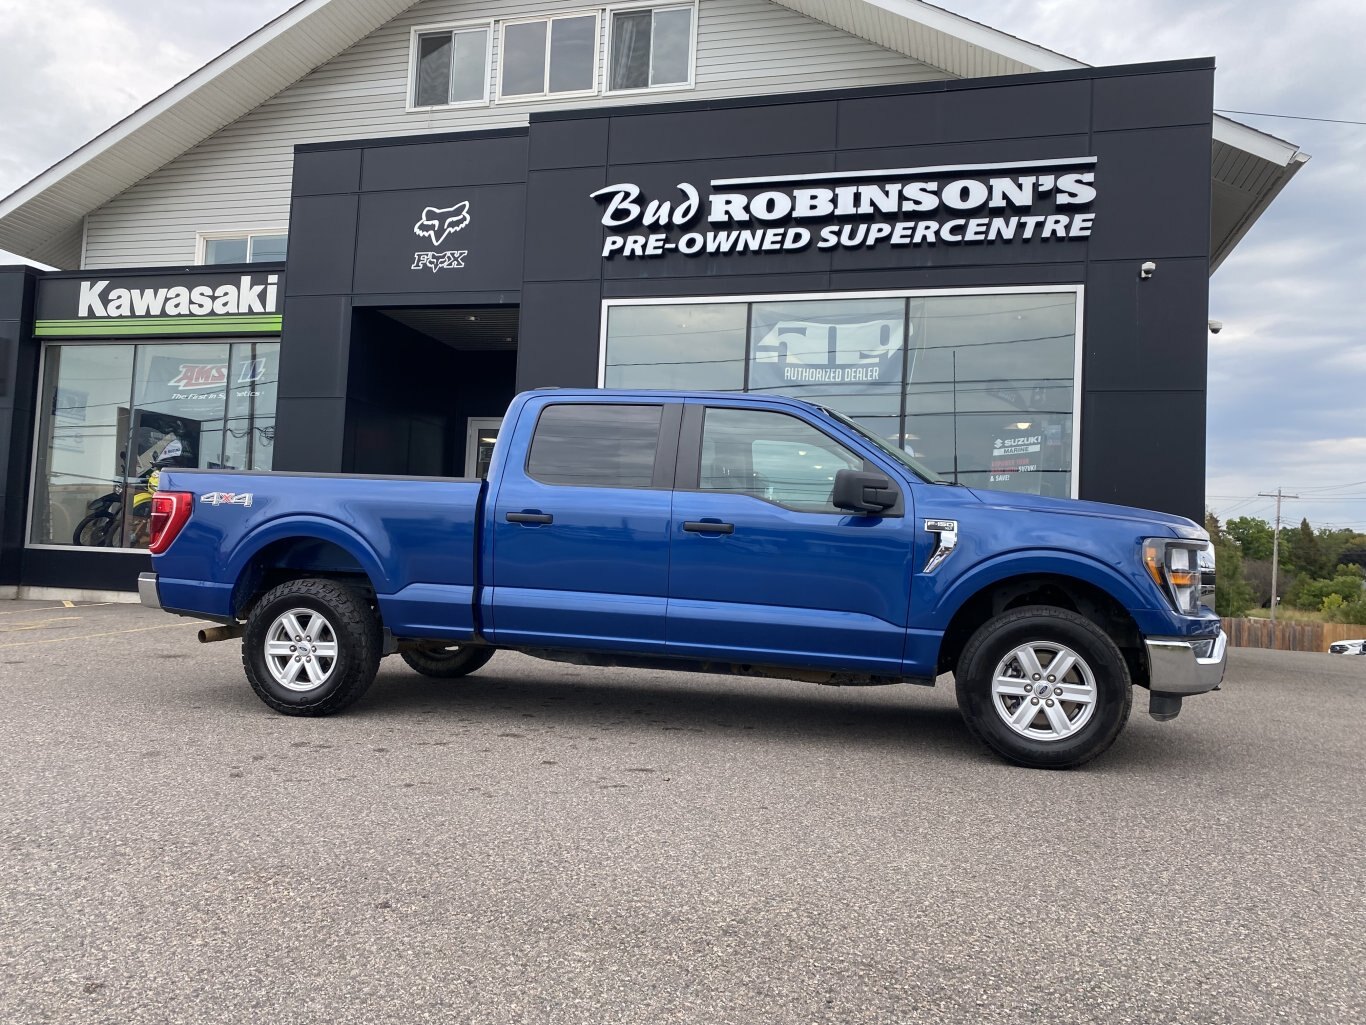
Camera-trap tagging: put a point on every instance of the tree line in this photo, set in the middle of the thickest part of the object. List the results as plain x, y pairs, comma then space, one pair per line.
1321, 570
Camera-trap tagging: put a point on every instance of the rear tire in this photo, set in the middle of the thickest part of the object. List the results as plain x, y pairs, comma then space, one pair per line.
1043, 687
311, 647
449, 662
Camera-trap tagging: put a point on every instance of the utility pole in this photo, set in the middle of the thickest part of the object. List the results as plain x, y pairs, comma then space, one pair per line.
1275, 545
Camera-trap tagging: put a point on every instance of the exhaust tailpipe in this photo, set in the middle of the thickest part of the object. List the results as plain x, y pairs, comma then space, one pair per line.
220, 633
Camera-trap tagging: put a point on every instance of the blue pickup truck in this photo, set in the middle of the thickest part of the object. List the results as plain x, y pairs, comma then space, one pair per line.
721, 533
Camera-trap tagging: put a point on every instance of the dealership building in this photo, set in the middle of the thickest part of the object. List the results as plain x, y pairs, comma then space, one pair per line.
347, 242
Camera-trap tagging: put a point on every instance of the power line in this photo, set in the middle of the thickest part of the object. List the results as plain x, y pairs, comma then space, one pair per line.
1291, 117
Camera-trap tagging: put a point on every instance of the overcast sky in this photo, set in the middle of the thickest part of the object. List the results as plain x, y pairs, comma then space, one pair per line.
1287, 388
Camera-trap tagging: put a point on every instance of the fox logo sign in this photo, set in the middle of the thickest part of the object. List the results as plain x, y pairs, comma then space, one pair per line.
437, 223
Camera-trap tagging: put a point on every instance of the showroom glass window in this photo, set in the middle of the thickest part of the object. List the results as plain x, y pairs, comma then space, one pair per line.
980, 387
113, 413
699, 347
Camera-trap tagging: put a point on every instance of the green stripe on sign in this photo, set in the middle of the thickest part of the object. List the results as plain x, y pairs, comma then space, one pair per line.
111, 327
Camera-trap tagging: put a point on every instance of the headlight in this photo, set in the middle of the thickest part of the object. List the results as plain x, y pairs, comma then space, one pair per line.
1182, 570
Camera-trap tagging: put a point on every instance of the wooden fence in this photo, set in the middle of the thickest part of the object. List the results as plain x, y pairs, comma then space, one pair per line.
1283, 636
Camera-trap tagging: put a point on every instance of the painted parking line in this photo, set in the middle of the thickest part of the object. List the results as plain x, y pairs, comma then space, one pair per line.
84, 637
58, 608
40, 625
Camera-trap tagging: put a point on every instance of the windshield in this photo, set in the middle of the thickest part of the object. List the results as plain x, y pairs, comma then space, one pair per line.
915, 466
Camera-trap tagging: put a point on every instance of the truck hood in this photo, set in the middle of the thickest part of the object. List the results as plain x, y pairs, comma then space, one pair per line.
1178, 526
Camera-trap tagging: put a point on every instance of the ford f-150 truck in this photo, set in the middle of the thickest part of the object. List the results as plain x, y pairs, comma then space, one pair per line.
726, 533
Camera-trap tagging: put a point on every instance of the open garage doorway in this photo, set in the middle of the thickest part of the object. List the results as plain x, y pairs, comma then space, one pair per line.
427, 388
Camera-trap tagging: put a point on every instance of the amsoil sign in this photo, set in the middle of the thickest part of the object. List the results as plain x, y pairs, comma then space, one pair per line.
193, 303
962, 204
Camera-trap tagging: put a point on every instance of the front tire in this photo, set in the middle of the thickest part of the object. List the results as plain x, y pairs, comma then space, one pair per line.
311, 647
98, 530
449, 662
1043, 687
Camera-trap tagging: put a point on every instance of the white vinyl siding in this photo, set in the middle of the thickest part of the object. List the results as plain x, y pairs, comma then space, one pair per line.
240, 176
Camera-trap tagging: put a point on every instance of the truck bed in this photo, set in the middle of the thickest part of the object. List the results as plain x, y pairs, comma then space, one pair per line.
415, 539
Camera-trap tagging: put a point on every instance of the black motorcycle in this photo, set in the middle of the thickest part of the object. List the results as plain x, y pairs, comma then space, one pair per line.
103, 524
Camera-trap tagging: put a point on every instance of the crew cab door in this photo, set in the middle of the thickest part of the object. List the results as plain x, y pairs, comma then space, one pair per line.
764, 568
580, 554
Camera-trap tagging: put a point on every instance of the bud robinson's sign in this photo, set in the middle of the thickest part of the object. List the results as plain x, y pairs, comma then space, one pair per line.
192, 303
959, 204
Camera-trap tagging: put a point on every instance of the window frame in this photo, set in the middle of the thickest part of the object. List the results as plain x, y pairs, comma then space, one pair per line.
666, 444
611, 10
549, 19
416, 33
203, 238
1077, 290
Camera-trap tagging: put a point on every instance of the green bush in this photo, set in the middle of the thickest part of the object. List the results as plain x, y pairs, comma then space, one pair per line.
1346, 585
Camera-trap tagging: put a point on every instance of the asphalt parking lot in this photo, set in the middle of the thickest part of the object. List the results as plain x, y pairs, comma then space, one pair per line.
546, 843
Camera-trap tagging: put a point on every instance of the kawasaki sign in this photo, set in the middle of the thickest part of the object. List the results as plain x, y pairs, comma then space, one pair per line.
191, 303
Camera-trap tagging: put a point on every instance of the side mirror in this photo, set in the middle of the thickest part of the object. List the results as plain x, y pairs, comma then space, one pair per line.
860, 491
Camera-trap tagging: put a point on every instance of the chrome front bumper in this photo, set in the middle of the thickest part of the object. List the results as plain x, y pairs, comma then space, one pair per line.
1183, 667
147, 590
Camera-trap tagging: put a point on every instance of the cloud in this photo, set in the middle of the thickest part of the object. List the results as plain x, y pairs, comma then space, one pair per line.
1287, 384
72, 68
1287, 375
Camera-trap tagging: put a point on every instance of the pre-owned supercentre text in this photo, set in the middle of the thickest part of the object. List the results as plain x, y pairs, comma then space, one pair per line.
964, 211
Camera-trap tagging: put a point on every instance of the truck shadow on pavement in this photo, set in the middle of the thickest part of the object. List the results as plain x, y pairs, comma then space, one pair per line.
581, 698
524, 703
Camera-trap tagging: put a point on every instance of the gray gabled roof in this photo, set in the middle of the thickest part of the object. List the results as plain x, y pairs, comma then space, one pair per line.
41, 220
36, 221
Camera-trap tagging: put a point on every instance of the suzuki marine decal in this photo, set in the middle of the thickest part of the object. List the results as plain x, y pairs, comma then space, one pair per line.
961, 204
226, 498
437, 224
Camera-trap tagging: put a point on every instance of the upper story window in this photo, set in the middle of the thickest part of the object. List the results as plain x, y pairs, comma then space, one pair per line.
631, 48
243, 247
549, 57
650, 47
450, 66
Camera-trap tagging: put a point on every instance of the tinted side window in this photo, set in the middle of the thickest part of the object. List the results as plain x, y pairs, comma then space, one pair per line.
772, 456
595, 445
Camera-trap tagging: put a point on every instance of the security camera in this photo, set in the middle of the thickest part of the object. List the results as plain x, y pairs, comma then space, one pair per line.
1146, 270
1215, 326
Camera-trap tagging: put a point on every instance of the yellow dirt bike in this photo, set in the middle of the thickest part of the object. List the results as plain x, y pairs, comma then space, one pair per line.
103, 527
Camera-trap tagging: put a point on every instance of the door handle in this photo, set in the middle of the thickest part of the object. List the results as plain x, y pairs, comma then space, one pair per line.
530, 517
708, 527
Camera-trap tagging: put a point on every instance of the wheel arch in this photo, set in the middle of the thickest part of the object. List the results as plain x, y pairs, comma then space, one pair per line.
1087, 589
299, 548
